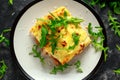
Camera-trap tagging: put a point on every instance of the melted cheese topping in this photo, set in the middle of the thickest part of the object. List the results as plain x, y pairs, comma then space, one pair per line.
62, 53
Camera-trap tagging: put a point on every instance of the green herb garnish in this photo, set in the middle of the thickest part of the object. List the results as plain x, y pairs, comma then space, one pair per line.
75, 40
10, 2
98, 39
43, 40
102, 4
37, 53
65, 66
59, 68
78, 68
115, 25
3, 38
74, 20
65, 14
3, 68
115, 5
117, 71
62, 21
118, 47
54, 43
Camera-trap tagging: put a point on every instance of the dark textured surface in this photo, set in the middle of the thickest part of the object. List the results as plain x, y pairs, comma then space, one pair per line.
8, 13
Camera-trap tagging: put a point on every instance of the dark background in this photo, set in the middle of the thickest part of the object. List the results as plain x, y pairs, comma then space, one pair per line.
8, 13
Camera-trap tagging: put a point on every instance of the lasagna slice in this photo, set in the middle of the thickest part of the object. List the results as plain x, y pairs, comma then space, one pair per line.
60, 35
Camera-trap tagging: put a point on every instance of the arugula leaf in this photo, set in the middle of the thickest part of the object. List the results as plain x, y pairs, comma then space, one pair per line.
65, 66
102, 4
75, 39
94, 2
3, 68
10, 2
65, 14
98, 44
59, 68
117, 71
63, 21
54, 43
105, 53
118, 47
3, 38
98, 39
71, 47
74, 20
77, 64
115, 6
115, 25
44, 33
37, 53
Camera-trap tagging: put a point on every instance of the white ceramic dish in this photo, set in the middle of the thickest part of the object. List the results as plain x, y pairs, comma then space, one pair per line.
21, 41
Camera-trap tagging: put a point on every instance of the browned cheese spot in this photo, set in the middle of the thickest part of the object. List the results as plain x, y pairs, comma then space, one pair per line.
61, 13
64, 43
82, 46
60, 28
39, 27
50, 17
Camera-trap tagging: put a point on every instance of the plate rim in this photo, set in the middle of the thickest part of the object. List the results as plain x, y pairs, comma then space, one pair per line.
26, 75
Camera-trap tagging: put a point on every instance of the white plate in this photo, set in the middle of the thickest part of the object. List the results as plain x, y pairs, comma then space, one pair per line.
22, 42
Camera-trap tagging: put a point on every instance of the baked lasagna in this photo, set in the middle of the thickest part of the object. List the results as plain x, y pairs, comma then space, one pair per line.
60, 35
